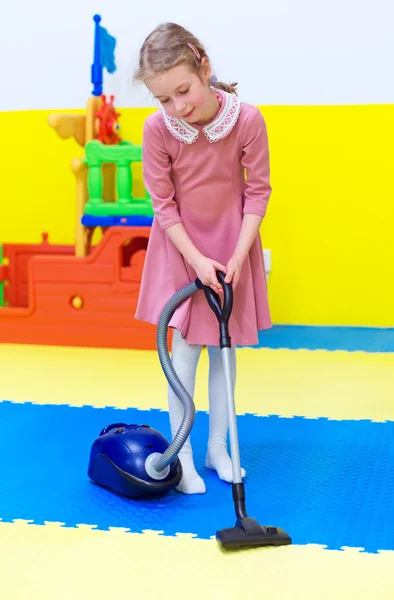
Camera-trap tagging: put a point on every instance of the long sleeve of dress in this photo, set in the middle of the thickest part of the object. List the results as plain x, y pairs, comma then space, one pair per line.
156, 168
255, 159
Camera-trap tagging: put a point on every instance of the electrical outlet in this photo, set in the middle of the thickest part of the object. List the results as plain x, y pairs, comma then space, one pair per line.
267, 261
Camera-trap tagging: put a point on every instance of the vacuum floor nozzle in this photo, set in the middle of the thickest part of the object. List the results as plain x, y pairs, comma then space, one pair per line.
247, 533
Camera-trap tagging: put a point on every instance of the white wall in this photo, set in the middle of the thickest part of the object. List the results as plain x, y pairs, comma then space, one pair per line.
280, 51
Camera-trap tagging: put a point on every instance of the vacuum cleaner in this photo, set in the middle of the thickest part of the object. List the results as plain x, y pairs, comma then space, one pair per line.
136, 461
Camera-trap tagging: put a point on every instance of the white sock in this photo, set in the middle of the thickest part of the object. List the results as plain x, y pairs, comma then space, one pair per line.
217, 456
185, 360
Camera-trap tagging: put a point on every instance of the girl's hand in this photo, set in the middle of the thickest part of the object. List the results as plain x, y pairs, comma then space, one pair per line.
234, 268
206, 272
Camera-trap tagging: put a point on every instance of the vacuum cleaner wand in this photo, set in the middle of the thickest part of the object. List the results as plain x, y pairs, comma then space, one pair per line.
247, 532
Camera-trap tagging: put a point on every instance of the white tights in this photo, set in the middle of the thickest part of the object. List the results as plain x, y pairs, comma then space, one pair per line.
185, 359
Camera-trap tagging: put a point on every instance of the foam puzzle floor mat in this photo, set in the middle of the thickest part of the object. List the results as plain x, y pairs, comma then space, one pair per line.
325, 482
316, 423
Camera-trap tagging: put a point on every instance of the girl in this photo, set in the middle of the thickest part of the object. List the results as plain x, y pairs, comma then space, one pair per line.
207, 218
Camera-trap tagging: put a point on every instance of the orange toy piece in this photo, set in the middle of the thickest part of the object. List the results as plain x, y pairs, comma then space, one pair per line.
107, 125
15, 273
85, 301
81, 127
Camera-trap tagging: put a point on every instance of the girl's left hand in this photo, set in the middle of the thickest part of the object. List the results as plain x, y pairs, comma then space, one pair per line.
234, 268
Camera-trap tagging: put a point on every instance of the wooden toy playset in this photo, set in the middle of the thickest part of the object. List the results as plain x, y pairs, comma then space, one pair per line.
79, 295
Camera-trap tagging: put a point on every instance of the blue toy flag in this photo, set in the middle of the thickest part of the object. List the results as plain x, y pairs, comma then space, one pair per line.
107, 50
104, 55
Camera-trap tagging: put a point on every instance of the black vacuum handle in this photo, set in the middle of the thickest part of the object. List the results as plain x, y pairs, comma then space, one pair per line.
222, 313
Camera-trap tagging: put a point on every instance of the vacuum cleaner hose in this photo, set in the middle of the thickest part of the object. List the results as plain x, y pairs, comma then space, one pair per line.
189, 409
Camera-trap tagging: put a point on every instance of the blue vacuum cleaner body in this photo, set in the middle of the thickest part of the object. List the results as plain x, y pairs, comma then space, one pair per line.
118, 460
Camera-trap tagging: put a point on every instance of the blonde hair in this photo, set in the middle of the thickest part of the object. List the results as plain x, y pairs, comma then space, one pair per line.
170, 45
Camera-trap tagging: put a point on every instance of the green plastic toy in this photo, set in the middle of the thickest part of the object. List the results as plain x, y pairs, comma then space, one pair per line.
122, 155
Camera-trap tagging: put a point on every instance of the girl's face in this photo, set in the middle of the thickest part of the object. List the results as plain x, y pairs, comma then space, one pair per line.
183, 94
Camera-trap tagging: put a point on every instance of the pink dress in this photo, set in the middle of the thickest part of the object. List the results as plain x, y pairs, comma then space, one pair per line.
195, 175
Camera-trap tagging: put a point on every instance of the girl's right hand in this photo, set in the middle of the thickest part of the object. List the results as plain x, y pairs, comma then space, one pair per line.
206, 272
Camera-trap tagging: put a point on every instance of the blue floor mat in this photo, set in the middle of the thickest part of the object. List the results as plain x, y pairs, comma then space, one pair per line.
324, 482
351, 339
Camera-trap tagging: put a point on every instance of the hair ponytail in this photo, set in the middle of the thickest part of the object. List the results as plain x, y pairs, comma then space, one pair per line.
230, 88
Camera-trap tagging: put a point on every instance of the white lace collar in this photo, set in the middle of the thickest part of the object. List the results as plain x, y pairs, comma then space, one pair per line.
216, 130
